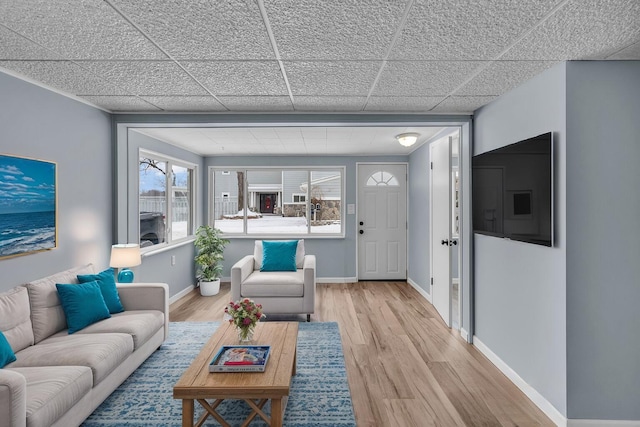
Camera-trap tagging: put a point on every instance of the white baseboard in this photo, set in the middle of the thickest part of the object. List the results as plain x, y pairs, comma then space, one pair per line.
422, 292
464, 334
602, 423
336, 279
539, 400
182, 293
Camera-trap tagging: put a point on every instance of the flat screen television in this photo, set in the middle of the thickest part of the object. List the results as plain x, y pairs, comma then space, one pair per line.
512, 191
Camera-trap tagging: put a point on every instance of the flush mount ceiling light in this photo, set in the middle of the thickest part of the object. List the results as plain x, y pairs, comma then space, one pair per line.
407, 139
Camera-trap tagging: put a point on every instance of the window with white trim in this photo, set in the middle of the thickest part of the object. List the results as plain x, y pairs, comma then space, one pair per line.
272, 201
165, 199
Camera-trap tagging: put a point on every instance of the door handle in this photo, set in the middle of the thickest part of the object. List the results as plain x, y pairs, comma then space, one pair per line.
453, 242
361, 231
445, 242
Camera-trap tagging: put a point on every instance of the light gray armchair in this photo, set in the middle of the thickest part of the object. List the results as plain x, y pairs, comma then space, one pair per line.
279, 292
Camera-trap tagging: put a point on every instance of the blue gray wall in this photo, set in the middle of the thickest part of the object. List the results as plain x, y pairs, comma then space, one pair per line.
38, 123
520, 288
335, 257
603, 240
419, 237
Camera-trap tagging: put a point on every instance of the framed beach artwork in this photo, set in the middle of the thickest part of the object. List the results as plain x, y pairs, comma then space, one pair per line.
27, 206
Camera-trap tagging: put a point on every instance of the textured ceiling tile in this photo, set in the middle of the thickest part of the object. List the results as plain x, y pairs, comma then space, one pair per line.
14, 46
202, 29
329, 103
331, 77
329, 29
147, 77
631, 52
65, 76
450, 30
239, 77
121, 103
257, 103
462, 104
402, 103
87, 29
582, 29
185, 103
502, 76
429, 78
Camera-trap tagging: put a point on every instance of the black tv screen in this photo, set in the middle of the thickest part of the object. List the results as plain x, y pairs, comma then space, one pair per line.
512, 191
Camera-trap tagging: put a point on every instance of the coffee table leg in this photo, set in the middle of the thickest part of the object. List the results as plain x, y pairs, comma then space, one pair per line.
187, 412
276, 412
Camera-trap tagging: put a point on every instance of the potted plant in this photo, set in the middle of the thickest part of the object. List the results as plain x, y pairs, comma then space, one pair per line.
210, 248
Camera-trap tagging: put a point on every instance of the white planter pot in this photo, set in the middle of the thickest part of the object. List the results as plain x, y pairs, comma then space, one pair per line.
208, 289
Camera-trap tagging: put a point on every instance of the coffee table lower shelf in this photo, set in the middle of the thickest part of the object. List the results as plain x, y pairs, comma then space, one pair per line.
254, 388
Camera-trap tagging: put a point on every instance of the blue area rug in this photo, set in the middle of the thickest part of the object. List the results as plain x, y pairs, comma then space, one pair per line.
319, 390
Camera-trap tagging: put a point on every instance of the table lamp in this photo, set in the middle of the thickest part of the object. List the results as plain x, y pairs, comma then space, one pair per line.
124, 256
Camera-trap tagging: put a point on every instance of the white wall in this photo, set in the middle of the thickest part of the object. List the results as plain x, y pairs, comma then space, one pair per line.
520, 288
41, 124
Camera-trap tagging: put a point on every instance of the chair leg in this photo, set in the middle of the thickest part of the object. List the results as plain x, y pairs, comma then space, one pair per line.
308, 318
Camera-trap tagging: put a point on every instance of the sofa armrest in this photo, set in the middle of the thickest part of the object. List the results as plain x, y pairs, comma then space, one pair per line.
239, 273
309, 274
13, 399
146, 296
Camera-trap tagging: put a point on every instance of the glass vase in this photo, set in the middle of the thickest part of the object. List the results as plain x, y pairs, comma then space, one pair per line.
245, 334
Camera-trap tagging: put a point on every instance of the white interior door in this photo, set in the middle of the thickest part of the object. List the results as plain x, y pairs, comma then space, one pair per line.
382, 221
440, 156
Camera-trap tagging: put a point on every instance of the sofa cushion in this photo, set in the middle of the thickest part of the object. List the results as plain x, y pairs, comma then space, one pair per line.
6, 352
47, 315
83, 304
15, 318
258, 255
141, 325
107, 281
53, 390
101, 352
279, 255
273, 284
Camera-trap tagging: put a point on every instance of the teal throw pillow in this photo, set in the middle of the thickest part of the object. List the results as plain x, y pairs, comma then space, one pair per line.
107, 282
6, 352
279, 255
83, 304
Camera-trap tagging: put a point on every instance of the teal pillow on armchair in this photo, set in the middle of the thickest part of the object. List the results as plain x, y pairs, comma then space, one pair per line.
279, 255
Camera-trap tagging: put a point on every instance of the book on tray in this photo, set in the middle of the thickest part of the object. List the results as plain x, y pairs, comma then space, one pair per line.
240, 358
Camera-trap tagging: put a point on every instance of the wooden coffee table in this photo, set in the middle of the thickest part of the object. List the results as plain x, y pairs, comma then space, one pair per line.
255, 388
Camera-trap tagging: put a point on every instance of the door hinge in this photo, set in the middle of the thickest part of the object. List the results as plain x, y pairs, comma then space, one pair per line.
432, 280
431, 165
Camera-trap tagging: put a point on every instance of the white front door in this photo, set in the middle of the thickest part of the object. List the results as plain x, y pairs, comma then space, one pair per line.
440, 156
382, 221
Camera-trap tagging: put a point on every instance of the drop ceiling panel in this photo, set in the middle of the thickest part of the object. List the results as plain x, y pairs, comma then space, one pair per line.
462, 104
146, 77
630, 52
582, 29
202, 29
185, 103
402, 103
331, 77
423, 78
501, 76
328, 103
64, 75
329, 29
88, 29
14, 46
120, 103
257, 103
239, 77
465, 30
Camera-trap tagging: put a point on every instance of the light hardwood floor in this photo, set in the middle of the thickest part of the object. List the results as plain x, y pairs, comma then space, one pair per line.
404, 366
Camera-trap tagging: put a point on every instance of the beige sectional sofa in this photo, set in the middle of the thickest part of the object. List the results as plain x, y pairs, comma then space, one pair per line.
60, 379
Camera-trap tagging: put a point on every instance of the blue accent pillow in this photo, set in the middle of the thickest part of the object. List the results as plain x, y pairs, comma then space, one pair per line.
107, 282
6, 352
279, 255
83, 304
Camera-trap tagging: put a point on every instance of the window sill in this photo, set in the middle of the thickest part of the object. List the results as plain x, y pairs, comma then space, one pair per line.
164, 248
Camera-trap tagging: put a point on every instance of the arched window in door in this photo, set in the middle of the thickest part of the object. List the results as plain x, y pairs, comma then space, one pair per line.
380, 178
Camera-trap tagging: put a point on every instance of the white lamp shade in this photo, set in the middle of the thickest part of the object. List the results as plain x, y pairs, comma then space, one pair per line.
127, 255
407, 139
